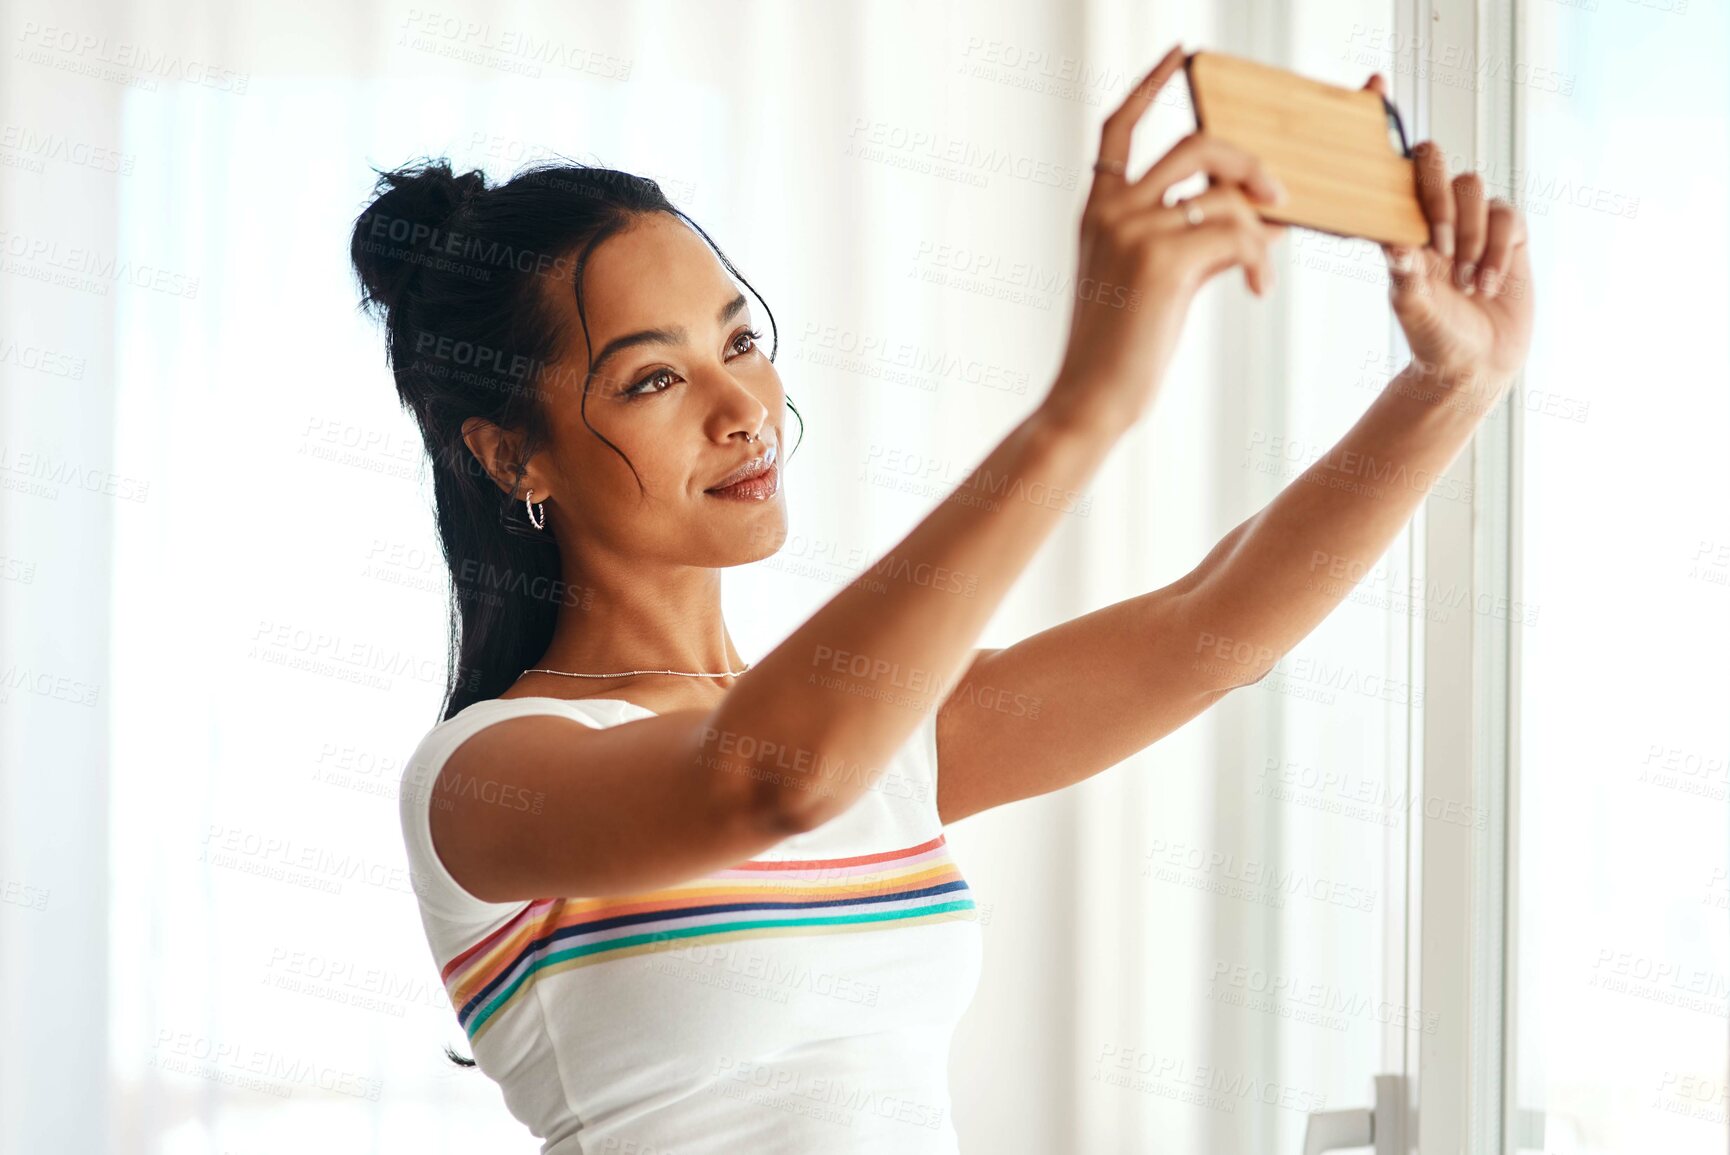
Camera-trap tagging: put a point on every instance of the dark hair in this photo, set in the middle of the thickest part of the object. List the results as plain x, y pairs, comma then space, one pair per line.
464, 277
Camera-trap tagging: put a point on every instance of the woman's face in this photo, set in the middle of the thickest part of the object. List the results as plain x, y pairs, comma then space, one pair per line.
679, 382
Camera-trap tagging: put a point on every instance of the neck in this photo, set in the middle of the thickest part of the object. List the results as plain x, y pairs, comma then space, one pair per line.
637, 617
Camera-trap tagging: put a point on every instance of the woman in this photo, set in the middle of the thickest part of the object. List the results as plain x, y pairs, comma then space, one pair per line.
763, 943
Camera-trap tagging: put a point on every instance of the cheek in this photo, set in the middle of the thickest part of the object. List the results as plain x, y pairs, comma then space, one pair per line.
640, 463
586, 448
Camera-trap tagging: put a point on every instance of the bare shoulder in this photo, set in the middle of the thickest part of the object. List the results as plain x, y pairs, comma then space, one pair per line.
547, 801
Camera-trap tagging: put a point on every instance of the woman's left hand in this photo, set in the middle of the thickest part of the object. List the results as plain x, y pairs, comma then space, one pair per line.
1465, 299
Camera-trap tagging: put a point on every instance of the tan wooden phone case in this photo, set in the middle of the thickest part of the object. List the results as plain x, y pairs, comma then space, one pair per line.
1328, 145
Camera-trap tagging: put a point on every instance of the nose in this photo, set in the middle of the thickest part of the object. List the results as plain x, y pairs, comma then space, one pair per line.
736, 411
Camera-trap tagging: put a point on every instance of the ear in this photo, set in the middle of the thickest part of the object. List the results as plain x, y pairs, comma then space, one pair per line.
496, 449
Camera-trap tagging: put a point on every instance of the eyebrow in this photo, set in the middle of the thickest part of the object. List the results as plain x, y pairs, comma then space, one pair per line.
667, 335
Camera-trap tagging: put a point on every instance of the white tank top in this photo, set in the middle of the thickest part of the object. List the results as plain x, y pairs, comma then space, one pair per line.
800, 1002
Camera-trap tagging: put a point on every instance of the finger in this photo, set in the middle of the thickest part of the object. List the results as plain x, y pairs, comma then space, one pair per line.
1402, 265
1231, 202
1218, 245
1264, 274
1412, 275
1119, 127
1223, 163
1516, 279
1217, 203
1377, 85
1436, 195
1506, 228
1473, 213
1227, 203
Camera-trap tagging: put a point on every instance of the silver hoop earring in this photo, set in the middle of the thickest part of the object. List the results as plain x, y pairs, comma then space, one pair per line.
540, 522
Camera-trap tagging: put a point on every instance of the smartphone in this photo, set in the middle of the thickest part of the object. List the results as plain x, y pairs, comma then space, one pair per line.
1340, 152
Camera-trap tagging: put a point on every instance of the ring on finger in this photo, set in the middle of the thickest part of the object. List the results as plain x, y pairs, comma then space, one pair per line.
1191, 208
1213, 204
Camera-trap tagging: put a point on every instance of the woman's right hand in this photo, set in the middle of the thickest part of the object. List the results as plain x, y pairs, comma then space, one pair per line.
1142, 260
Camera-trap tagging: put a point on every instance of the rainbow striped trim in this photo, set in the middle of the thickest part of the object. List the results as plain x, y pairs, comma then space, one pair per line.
917, 884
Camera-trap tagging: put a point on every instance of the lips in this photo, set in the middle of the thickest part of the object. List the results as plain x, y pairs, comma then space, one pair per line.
751, 468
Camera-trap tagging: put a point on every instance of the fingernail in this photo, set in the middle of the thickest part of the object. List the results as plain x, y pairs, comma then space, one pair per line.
1463, 276
1444, 238
1402, 261
1491, 283
1280, 196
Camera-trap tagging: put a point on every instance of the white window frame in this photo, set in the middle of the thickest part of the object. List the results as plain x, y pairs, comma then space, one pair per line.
1461, 952
1450, 1090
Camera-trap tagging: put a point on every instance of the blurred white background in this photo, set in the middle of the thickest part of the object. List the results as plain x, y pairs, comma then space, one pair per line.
222, 601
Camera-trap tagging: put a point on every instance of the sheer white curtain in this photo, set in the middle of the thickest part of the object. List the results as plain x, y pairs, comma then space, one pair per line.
223, 599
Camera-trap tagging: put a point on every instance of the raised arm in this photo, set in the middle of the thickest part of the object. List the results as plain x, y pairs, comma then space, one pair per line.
1114, 681
802, 735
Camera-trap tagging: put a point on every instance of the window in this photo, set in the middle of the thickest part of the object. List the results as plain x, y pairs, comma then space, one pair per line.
1622, 544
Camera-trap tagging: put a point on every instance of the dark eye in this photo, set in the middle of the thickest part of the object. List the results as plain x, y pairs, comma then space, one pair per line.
637, 390
752, 335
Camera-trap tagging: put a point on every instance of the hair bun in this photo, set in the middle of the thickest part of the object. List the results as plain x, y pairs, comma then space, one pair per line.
411, 206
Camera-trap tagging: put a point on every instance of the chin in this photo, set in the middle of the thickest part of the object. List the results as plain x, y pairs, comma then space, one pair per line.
764, 537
